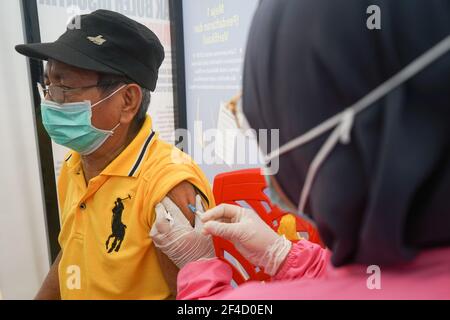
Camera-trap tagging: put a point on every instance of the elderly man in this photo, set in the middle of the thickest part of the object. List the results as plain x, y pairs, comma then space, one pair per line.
95, 101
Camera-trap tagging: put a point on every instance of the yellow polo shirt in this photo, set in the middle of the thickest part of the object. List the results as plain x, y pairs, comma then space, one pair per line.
107, 252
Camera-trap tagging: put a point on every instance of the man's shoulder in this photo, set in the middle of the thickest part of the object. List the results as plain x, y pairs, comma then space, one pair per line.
163, 154
166, 163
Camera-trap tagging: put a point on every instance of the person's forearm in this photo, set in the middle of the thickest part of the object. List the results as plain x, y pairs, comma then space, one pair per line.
182, 196
170, 272
50, 287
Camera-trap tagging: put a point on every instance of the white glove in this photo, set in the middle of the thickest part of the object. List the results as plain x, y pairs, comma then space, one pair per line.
250, 235
174, 236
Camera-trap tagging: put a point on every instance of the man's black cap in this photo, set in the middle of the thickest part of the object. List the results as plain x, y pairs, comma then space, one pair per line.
107, 42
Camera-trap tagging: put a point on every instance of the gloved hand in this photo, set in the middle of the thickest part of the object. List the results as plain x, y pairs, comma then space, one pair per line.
175, 237
251, 236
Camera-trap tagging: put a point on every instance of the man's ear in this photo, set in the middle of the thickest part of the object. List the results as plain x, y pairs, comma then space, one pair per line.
132, 97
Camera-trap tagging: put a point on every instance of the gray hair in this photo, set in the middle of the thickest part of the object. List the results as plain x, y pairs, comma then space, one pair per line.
110, 82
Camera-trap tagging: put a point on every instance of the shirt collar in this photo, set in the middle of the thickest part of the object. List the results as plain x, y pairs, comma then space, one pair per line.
128, 162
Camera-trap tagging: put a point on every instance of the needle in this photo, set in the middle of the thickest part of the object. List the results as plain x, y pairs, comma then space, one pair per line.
194, 209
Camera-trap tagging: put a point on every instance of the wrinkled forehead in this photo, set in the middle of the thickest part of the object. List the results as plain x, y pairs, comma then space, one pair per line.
56, 72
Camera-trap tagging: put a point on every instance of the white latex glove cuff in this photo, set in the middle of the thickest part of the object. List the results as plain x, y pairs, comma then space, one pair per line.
275, 255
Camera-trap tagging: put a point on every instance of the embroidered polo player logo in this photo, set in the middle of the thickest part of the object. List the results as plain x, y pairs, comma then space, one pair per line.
118, 228
98, 40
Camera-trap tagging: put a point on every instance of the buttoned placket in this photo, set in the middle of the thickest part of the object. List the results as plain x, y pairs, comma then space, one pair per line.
88, 191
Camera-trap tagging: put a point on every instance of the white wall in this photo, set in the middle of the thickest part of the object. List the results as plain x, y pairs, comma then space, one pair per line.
23, 245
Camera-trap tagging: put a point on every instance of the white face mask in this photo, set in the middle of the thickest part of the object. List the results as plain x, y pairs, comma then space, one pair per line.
343, 121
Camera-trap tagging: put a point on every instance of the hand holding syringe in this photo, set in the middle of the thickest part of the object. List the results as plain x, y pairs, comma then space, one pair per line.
173, 234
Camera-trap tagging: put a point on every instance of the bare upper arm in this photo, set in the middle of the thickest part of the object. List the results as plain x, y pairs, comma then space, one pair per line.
182, 195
